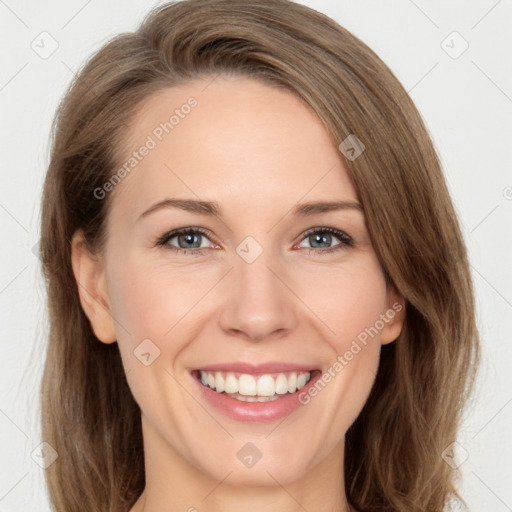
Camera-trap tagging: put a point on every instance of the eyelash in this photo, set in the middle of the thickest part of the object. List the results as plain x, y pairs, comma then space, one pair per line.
346, 241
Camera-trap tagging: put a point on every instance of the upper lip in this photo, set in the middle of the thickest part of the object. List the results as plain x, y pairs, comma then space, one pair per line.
262, 368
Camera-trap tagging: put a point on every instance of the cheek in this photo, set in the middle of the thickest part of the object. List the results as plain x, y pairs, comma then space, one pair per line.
151, 302
347, 300
349, 303
151, 305
159, 311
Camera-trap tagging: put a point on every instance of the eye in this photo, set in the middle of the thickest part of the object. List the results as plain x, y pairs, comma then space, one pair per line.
193, 238
324, 236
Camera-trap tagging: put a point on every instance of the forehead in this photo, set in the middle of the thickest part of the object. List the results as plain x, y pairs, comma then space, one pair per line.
233, 140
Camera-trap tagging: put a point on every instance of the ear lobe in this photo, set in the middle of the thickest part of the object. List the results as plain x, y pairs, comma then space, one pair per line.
92, 288
393, 317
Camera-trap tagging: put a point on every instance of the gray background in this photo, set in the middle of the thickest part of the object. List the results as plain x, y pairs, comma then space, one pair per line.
465, 98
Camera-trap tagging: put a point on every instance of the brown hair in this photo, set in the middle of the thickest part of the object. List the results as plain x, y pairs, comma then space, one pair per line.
393, 450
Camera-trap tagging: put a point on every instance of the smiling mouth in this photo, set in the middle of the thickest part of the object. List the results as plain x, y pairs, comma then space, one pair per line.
247, 387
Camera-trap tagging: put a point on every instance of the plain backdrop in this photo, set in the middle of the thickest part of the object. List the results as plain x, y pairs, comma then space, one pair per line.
454, 58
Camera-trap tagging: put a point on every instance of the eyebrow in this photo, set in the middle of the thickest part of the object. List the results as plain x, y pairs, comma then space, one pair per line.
213, 208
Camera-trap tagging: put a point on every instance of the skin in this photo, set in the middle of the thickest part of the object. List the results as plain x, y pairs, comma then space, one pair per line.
257, 151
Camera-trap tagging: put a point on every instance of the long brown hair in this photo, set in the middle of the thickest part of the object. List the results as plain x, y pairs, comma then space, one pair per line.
393, 450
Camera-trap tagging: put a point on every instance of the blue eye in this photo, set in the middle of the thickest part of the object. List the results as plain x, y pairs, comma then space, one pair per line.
193, 237
185, 236
324, 236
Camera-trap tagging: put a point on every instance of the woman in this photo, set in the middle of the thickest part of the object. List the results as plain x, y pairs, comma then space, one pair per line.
251, 369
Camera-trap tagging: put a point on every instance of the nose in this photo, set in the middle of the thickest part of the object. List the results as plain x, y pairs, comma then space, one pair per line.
259, 304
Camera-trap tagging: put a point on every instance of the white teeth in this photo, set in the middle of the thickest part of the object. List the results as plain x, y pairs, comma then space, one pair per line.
266, 386
246, 385
292, 383
243, 398
219, 382
281, 384
230, 384
249, 388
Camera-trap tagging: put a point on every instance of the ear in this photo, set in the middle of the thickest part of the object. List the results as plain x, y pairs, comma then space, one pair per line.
92, 288
394, 316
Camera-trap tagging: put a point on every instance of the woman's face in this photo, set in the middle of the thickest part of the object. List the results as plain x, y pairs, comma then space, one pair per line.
248, 291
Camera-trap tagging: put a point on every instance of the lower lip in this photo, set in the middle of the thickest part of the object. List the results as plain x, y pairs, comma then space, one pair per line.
256, 411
